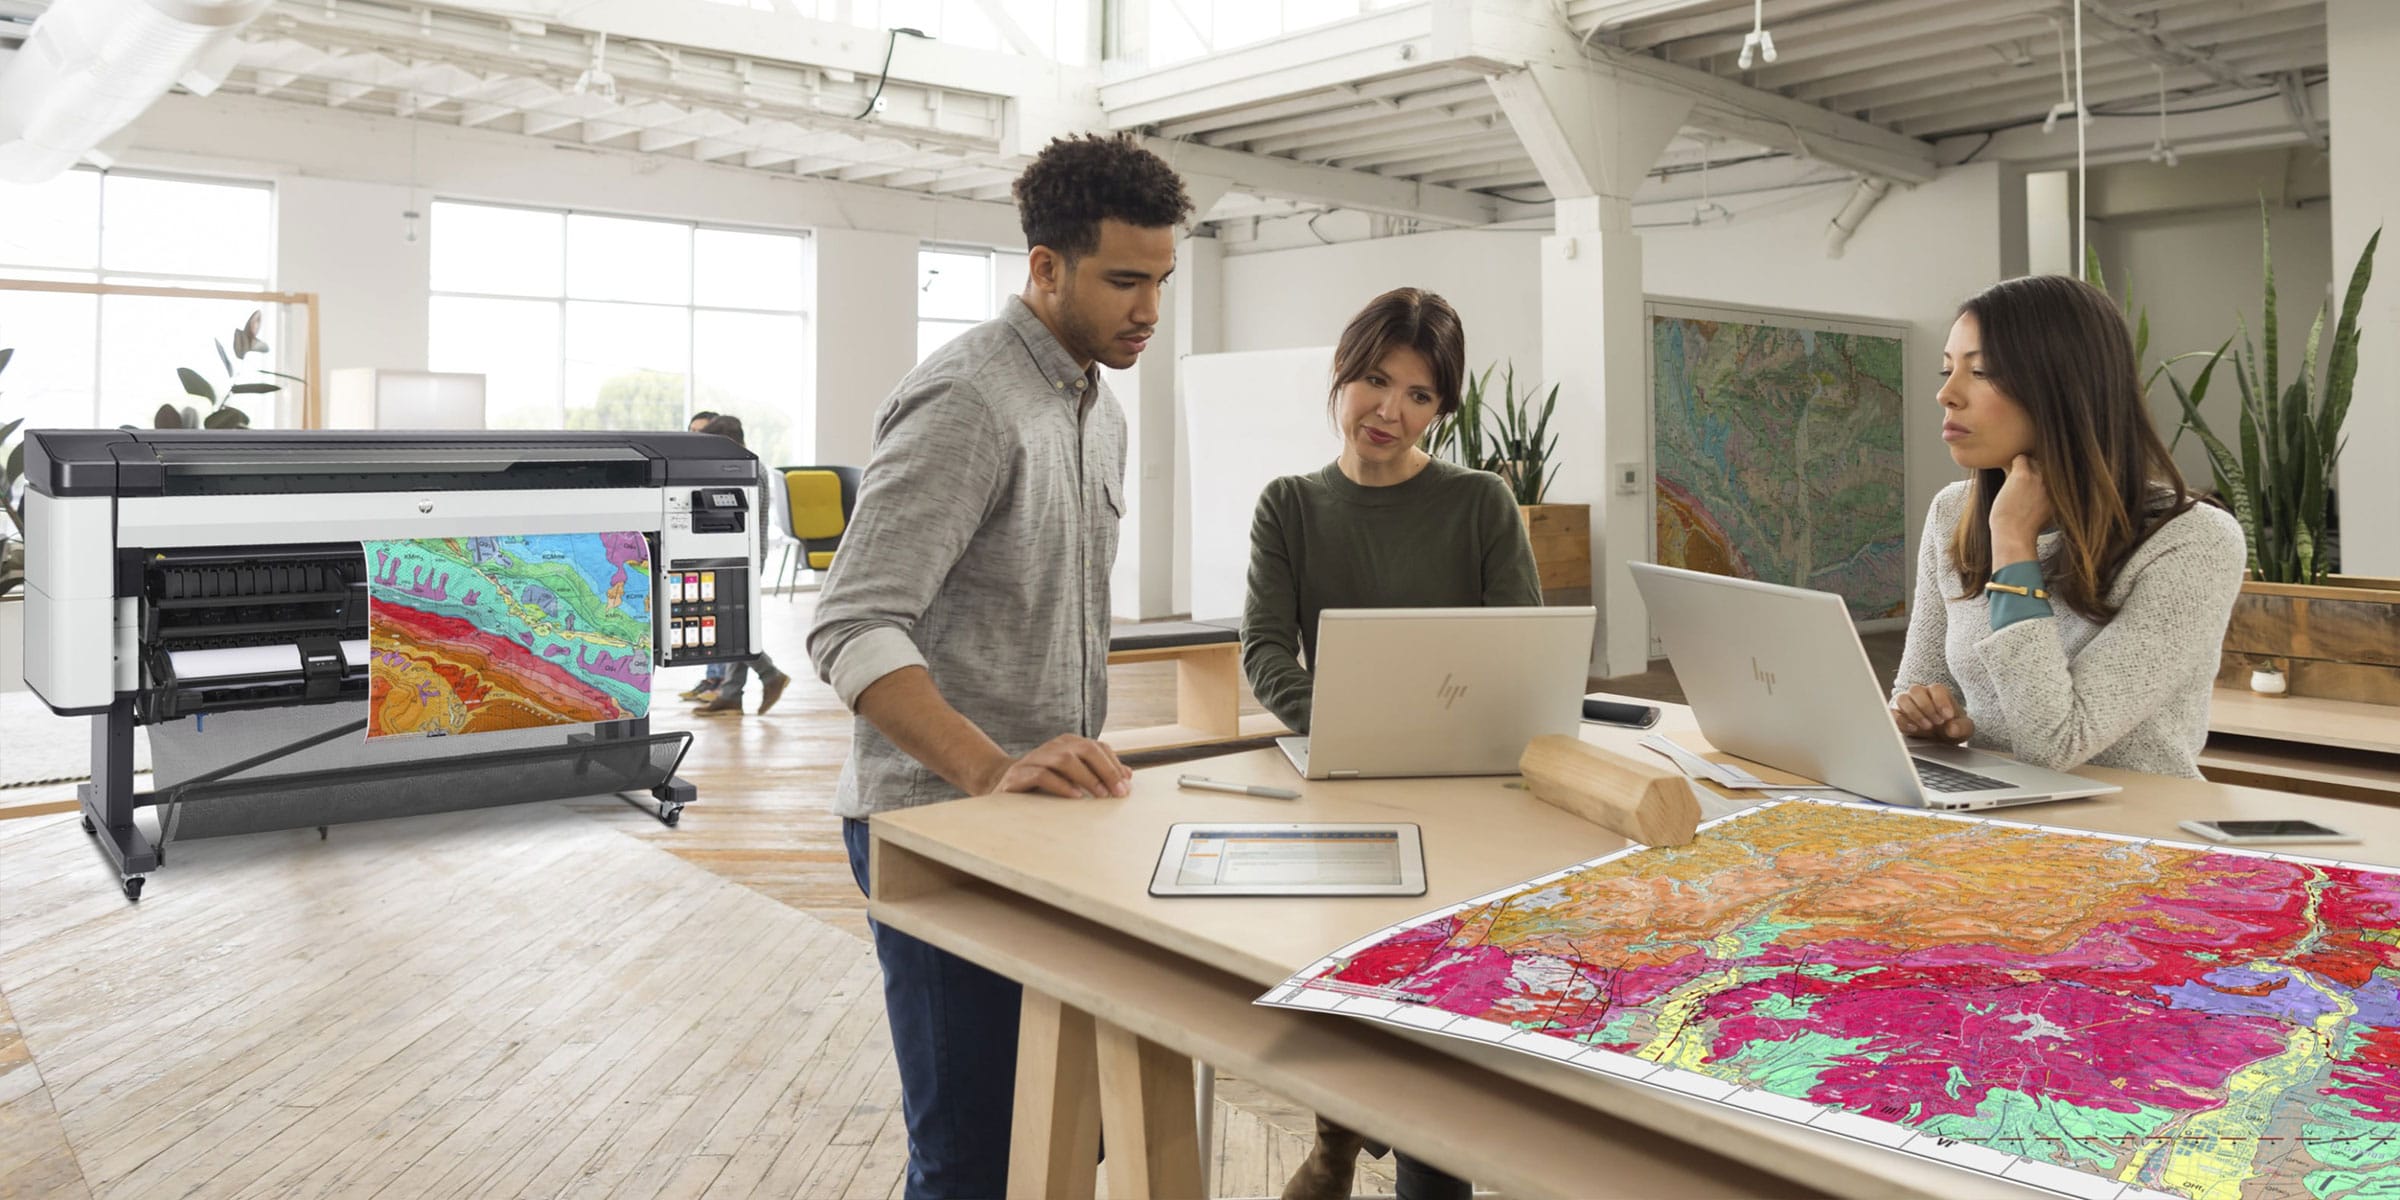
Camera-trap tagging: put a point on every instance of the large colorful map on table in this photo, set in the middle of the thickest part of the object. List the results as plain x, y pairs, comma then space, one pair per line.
2094, 1015
468, 635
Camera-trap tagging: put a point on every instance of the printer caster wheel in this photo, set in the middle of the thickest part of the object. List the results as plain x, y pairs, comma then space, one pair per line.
133, 887
88, 827
670, 814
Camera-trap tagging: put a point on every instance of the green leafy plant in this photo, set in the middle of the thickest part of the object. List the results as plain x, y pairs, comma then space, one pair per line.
1459, 437
2279, 483
221, 413
1510, 438
1523, 444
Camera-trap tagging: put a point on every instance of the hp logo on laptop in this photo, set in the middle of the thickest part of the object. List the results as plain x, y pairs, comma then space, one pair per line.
1763, 675
1449, 693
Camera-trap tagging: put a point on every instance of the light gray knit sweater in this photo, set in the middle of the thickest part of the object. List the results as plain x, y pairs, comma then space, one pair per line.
2060, 691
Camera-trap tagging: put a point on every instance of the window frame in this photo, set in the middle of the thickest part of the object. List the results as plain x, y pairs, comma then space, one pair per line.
97, 273
692, 308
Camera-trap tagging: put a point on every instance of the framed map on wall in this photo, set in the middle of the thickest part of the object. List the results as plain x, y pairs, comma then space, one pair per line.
1776, 452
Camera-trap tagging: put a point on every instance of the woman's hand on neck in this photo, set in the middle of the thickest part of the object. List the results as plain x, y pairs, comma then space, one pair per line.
1366, 474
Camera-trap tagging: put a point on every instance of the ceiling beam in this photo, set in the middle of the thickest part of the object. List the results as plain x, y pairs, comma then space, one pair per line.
1354, 190
1501, 34
2244, 127
1378, 114
1381, 43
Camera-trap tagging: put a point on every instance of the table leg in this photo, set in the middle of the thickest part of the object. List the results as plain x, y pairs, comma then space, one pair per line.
1054, 1143
1208, 691
1146, 1104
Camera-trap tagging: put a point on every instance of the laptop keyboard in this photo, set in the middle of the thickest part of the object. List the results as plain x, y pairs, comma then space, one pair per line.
1942, 778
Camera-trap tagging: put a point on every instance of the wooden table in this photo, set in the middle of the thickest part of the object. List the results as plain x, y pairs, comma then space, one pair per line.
1124, 991
2338, 748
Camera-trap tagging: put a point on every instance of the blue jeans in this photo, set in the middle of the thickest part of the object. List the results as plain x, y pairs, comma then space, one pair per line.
737, 677
954, 1036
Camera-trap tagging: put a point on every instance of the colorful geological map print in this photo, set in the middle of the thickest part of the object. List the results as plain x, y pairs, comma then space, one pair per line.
1779, 458
469, 635
2098, 1016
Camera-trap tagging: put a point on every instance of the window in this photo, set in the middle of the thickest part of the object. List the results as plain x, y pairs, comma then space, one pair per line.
959, 287
111, 360
587, 321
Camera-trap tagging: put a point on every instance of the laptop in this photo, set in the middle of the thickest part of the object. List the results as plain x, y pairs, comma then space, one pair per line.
1440, 691
1776, 675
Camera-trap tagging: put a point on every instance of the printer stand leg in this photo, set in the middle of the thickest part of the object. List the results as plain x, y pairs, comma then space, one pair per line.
108, 800
672, 796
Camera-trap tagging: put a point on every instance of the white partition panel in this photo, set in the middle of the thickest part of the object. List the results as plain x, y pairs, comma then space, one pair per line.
1248, 418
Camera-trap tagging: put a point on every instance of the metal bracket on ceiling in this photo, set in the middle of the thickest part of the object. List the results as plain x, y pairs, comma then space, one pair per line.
2295, 100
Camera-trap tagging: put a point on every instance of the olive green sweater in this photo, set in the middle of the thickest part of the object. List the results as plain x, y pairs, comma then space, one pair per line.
1448, 538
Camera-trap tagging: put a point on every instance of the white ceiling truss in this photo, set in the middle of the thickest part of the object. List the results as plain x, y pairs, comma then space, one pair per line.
1392, 112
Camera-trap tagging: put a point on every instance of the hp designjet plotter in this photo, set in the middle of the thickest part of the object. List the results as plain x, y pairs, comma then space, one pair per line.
211, 586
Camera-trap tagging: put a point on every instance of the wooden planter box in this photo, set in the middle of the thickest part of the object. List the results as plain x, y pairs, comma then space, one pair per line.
2339, 640
1562, 550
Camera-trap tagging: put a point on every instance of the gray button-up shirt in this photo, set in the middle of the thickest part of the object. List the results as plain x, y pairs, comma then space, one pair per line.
980, 550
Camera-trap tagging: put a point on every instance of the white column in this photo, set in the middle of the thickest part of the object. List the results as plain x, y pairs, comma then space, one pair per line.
1593, 348
866, 327
2362, 39
1594, 138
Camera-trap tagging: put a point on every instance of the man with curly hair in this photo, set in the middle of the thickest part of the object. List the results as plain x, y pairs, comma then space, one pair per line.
965, 622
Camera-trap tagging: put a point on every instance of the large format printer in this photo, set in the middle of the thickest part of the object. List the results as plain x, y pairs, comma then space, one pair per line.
210, 585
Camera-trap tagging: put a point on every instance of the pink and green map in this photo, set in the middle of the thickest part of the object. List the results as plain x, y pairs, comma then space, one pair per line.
468, 635
2095, 1015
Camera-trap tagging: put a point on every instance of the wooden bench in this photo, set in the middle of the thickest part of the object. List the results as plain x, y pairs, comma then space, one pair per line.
2345, 749
1208, 684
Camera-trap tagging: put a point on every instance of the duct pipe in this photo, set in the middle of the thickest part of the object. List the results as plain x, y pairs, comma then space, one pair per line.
91, 66
1863, 199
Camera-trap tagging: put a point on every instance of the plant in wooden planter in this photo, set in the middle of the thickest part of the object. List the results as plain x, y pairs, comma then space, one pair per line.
2280, 482
1510, 437
2329, 636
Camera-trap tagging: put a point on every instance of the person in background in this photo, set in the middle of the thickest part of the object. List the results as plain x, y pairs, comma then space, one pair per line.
966, 619
714, 676
2072, 594
1385, 525
727, 700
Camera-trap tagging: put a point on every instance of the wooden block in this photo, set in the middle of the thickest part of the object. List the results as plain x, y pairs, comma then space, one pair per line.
1146, 1103
1054, 1143
1653, 805
1542, 519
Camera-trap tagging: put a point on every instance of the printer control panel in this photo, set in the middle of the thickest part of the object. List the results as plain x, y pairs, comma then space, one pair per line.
720, 510
708, 610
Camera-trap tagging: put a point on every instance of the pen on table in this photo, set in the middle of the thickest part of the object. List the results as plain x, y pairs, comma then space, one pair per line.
1238, 789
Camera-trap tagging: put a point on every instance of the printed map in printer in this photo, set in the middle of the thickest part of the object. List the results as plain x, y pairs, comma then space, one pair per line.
2096, 1016
469, 635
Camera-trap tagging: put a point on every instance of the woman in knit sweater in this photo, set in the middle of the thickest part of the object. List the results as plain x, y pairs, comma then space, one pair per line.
1383, 526
2071, 594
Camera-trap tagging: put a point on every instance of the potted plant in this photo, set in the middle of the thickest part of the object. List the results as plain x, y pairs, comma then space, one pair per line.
1512, 439
221, 413
2329, 635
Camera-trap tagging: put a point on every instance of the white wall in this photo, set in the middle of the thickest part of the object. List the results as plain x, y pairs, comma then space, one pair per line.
1917, 255
2362, 37
1285, 299
866, 325
2197, 275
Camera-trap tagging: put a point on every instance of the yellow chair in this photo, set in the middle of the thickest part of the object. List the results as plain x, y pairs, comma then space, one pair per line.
818, 503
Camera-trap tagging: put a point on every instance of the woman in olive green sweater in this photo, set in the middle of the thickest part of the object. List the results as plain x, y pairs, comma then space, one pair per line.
1383, 526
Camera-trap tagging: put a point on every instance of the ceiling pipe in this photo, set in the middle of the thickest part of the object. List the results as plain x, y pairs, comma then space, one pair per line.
1863, 199
91, 66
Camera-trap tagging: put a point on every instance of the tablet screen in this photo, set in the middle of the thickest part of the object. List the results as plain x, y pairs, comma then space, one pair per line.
1277, 857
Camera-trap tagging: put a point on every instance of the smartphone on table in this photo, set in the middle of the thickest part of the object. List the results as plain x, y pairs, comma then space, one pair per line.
2264, 833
